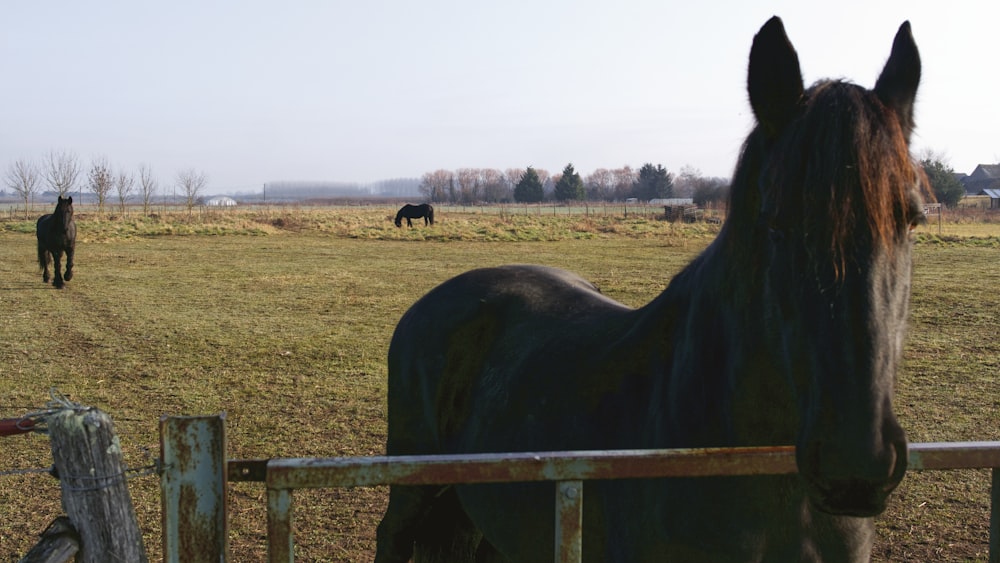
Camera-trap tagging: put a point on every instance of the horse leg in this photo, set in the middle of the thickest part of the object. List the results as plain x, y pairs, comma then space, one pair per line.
409, 223
43, 262
486, 553
446, 534
408, 505
69, 264
56, 269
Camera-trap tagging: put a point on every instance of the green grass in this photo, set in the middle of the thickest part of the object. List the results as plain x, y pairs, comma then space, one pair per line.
281, 318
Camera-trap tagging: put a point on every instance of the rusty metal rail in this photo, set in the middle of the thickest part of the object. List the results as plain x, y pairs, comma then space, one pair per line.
567, 469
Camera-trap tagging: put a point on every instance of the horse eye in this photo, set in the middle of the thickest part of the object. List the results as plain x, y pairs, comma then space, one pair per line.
918, 219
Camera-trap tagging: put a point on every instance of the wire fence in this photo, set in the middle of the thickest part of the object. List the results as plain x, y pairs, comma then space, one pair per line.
35, 421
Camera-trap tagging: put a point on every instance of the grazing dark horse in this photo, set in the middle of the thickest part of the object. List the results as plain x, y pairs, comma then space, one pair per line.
410, 211
787, 329
56, 234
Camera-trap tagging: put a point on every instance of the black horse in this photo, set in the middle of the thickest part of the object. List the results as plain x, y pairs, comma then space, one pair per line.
410, 211
787, 329
56, 234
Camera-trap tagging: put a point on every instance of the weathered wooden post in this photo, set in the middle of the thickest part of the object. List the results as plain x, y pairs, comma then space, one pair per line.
59, 543
88, 461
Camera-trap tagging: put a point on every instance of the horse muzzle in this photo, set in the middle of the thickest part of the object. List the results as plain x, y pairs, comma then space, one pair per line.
858, 487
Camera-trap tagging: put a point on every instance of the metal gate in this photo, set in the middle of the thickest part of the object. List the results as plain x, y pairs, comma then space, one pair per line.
196, 472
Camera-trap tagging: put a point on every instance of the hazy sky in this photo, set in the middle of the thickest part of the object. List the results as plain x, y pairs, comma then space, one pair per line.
251, 92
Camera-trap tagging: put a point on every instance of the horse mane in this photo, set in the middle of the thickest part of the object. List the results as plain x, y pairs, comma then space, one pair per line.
840, 175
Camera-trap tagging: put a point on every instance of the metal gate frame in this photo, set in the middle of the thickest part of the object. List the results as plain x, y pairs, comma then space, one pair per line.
193, 497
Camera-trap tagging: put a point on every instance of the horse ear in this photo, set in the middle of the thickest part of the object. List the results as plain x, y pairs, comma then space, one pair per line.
69, 199
774, 79
897, 86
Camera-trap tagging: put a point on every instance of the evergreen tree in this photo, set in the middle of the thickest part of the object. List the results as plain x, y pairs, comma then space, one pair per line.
570, 187
654, 183
946, 186
529, 189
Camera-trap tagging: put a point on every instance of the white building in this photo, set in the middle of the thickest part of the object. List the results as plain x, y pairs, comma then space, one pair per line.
221, 201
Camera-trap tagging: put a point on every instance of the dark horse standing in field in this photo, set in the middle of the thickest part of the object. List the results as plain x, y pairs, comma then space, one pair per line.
56, 233
787, 329
410, 211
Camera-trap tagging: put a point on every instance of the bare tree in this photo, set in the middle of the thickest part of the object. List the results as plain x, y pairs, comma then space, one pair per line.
625, 178
61, 171
493, 187
22, 177
435, 186
124, 183
469, 188
100, 179
147, 186
600, 185
927, 153
191, 183
705, 191
687, 181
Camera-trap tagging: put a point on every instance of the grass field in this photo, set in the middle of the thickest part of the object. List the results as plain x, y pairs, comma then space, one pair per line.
282, 318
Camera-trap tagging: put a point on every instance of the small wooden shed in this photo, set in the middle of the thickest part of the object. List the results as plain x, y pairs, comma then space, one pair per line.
994, 195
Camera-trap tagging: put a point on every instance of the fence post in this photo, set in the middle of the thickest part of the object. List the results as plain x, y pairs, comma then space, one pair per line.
569, 521
59, 542
280, 530
88, 460
193, 488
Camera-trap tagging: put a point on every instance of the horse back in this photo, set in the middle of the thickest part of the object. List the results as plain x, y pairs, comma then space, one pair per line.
488, 356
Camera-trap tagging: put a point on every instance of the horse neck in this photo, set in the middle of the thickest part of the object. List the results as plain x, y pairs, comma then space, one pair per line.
61, 218
721, 390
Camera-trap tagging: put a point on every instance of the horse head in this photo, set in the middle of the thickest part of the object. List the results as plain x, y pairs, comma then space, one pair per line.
832, 195
64, 210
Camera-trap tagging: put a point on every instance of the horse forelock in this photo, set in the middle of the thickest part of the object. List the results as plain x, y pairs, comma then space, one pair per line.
64, 211
840, 175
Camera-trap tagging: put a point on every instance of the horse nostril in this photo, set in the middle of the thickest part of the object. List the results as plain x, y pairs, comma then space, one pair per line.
850, 480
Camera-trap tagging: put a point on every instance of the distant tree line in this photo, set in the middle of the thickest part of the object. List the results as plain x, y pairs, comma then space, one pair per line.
298, 190
61, 171
535, 185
